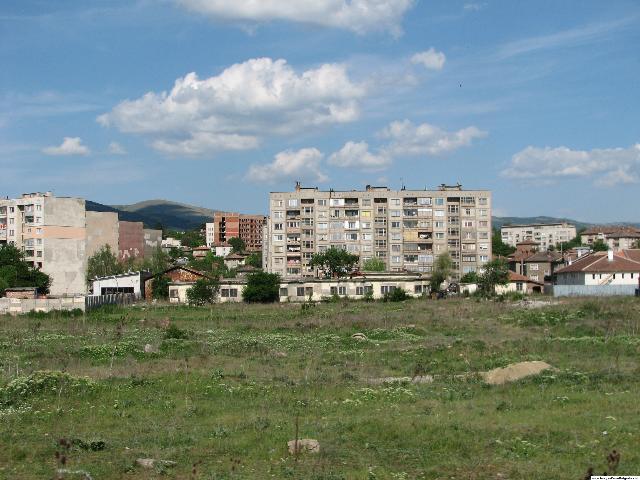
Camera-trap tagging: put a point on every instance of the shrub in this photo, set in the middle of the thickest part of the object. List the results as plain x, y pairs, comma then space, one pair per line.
203, 291
160, 287
396, 295
174, 332
42, 381
262, 287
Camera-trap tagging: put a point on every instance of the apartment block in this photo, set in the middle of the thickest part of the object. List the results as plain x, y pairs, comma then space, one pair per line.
407, 229
545, 234
227, 225
617, 237
51, 231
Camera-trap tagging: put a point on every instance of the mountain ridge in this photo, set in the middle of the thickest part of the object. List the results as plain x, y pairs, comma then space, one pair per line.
182, 216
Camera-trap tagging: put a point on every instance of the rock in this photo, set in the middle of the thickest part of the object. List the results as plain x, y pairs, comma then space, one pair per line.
359, 336
152, 463
416, 379
148, 348
304, 445
514, 372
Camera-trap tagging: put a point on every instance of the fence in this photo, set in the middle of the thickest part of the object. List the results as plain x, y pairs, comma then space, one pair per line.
593, 290
17, 306
95, 301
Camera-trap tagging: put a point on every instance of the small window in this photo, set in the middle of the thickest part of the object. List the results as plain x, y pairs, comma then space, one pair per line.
300, 291
334, 290
284, 292
417, 288
359, 290
342, 290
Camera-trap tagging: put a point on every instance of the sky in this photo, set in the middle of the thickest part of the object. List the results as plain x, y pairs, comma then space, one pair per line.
216, 103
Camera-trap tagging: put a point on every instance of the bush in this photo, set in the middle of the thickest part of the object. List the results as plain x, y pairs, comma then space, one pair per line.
262, 287
203, 291
160, 287
173, 332
396, 295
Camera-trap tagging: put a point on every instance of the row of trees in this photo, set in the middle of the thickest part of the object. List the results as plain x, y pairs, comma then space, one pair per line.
16, 272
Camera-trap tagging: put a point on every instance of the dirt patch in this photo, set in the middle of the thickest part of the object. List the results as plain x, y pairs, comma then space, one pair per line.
514, 372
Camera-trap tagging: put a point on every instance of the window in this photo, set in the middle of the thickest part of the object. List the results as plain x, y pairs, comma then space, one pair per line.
519, 286
424, 201
387, 289
439, 201
396, 259
284, 292
336, 202
342, 290
367, 236
292, 202
439, 235
322, 202
278, 238
395, 224
366, 202
333, 290
277, 203
483, 246
417, 289
395, 202
173, 293
439, 213
467, 224
366, 224
279, 214
365, 213
229, 292
395, 248
300, 291
322, 225
39, 231
277, 226
534, 267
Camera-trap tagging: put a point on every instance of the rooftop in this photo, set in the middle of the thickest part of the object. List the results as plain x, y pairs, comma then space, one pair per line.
598, 262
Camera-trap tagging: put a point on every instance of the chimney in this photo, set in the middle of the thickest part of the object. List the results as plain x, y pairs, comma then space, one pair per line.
298, 186
610, 255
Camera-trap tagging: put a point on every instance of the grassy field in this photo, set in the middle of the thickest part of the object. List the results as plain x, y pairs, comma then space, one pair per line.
224, 387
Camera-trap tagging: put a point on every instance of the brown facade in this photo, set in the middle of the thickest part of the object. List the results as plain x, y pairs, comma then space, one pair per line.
130, 240
236, 225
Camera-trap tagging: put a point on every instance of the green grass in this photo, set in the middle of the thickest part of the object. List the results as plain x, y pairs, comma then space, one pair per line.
224, 386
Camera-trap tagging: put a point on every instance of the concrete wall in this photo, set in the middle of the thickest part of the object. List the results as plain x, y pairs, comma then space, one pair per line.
593, 290
152, 241
16, 306
130, 240
64, 254
102, 229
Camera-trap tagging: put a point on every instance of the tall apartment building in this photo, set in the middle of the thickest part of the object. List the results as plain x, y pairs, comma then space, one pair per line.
546, 234
51, 231
227, 225
407, 229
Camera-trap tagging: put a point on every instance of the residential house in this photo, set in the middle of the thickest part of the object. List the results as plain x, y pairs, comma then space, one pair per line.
616, 237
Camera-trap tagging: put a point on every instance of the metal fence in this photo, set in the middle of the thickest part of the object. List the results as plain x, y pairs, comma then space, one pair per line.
593, 290
95, 301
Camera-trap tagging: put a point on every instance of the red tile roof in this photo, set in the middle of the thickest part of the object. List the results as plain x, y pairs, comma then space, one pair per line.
598, 262
516, 277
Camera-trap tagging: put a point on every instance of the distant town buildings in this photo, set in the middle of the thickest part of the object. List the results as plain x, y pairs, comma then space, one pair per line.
603, 268
545, 234
406, 229
58, 235
227, 225
616, 237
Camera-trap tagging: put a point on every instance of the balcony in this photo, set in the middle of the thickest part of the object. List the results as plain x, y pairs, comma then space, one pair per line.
351, 213
410, 202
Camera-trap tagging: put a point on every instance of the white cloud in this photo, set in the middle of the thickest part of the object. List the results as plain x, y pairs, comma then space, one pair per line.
69, 146
303, 164
610, 166
356, 154
360, 16
425, 139
431, 59
234, 109
116, 149
474, 7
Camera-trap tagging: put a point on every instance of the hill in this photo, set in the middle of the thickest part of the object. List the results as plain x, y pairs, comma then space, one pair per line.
498, 222
171, 215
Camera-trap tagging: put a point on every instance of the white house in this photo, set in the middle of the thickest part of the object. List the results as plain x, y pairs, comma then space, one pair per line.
131, 282
602, 268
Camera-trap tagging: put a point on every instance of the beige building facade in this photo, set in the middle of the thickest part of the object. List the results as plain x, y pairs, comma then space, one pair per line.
545, 234
406, 229
51, 231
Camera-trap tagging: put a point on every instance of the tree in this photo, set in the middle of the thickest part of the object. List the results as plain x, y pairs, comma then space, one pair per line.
599, 246
16, 272
202, 292
262, 287
335, 262
395, 295
103, 263
574, 242
237, 244
160, 287
441, 271
498, 247
191, 238
495, 272
210, 264
159, 262
469, 277
374, 265
254, 260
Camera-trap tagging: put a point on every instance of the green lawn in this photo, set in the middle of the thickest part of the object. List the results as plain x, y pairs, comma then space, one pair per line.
225, 393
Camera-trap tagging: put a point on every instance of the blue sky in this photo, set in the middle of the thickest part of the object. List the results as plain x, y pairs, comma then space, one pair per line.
216, 103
